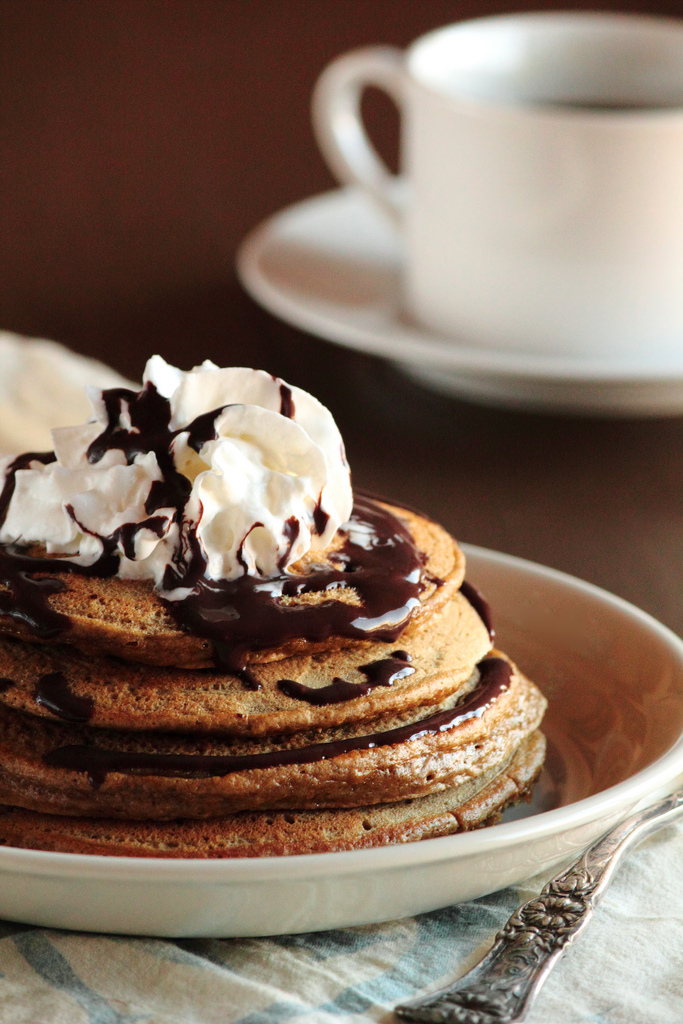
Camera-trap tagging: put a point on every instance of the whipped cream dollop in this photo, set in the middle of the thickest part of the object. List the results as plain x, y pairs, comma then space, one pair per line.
230, 469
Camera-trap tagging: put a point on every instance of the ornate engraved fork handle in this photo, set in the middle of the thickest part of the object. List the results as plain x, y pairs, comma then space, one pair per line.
502, 986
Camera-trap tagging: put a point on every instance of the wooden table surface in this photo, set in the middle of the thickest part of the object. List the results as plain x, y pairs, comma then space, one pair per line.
141, 140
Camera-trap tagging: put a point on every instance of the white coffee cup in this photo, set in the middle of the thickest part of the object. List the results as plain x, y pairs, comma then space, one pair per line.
542, 160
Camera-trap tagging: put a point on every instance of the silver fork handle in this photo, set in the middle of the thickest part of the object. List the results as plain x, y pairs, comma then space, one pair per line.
502, 986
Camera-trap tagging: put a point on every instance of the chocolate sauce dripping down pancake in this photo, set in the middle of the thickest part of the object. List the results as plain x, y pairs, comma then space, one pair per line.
97, 762
440, 652
45, 765
383, 672
471, 804
53, 693
382, 566
378, 561
480, 605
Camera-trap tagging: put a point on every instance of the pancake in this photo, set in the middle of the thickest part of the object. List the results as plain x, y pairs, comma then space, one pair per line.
170, 684
75, 770
128, 619
304, 692
475, 803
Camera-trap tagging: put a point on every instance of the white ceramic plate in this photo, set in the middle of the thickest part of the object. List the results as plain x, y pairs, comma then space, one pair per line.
331, 265
614, 678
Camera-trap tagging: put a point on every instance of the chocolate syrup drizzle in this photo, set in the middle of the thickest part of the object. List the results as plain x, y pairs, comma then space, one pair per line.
97, 762
53, 692
480, 605
291, 531
287, 407
320, 517
150, 431
378, 673
250, 613
25, 598
378, 559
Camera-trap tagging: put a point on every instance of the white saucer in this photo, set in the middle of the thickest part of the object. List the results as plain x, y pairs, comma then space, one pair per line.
331, 265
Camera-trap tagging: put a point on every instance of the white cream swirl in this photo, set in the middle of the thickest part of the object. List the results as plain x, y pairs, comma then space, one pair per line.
269, 484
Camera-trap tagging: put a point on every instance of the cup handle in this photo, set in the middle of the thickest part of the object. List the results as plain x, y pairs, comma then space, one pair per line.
338, 124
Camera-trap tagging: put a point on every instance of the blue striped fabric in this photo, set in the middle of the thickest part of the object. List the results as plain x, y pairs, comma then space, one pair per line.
352, 974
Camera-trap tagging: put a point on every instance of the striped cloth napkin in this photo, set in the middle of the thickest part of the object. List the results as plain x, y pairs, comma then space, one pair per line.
626, 969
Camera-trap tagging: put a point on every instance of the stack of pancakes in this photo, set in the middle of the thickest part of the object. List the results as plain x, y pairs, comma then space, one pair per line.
120, 736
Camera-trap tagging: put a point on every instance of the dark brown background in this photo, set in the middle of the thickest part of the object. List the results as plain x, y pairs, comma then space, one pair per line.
141, 139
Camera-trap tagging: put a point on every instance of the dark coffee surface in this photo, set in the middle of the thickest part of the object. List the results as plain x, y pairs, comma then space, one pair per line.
611, 106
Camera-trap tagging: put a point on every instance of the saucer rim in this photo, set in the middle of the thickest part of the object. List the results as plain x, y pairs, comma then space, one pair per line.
412, 343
